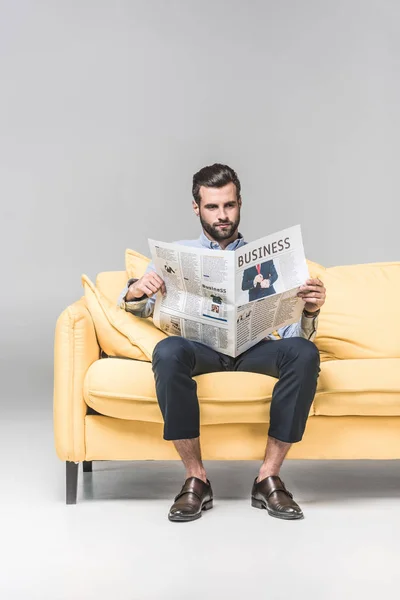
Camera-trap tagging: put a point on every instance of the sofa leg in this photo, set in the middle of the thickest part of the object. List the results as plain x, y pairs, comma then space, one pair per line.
87, 466
71, 481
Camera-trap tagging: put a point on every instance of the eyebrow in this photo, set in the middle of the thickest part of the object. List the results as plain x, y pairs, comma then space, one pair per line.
212, 204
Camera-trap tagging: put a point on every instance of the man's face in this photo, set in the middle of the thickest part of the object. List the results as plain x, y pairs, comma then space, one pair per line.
219, 211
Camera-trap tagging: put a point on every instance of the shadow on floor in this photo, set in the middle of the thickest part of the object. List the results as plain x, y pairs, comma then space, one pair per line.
310, 481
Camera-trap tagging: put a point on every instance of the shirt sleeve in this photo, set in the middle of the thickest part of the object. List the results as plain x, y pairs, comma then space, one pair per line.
306, 327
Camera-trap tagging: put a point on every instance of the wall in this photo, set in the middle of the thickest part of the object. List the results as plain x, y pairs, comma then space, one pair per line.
108, 108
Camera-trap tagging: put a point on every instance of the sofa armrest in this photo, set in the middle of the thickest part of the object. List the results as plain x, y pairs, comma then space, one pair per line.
75, 349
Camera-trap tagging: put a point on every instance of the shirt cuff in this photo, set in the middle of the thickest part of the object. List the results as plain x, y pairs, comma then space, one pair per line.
313, 315
309, 326
136, 304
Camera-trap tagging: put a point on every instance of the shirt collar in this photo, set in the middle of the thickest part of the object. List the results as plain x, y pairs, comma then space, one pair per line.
206, 243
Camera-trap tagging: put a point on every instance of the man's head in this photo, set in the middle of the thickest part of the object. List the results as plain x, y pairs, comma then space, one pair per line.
217, 201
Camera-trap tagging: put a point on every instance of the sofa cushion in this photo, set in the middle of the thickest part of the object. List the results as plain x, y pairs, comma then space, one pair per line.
360, 318
368, 387
111, 284
119, 332
125, 389
315, 269
135, 263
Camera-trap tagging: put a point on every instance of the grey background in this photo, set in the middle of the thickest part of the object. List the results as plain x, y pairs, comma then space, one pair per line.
108, 108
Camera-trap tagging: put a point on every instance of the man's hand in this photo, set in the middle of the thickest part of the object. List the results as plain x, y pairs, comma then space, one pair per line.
149, 284
265, 283
313, 292
257, 279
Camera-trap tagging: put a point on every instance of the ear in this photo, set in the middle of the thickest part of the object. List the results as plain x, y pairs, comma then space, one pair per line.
240, 202
195, 207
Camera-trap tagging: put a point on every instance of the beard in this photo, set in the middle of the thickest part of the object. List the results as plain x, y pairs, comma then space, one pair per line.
218, 233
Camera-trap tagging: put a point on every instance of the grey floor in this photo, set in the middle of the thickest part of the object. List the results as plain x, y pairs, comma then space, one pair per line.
117, 542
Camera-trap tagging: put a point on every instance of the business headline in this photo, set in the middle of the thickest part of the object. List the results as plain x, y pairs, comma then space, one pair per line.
263, 252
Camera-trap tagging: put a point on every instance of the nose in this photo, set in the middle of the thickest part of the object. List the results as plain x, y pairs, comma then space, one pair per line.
222, 215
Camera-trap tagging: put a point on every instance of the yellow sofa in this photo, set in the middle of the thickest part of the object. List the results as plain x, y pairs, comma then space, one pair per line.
105, 408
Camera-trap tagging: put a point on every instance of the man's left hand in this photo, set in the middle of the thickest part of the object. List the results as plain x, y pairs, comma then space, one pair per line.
313, 292
265, 283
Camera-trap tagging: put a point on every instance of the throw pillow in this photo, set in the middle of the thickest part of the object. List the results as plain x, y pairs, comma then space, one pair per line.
119, 332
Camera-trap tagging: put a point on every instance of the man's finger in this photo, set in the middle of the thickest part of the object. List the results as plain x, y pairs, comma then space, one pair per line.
314, 291
156, 279
150, 286
147, 290
157, 284
311, 288
159, 279
313, 295
315, 282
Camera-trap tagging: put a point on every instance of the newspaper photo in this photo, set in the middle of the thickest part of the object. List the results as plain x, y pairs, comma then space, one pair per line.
230, 300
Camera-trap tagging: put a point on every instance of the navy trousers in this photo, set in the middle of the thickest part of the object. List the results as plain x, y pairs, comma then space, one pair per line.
293, 361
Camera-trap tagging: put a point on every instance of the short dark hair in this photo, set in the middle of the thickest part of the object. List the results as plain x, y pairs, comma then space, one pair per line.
215, 175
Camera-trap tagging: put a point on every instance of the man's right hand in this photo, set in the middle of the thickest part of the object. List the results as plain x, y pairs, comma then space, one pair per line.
257, 279
149, 284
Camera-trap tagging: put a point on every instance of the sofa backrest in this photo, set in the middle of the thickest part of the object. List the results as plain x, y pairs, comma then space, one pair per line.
111, 283
361, 315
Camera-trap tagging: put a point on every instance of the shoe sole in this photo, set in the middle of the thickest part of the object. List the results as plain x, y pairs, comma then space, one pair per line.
206, 506
259, 504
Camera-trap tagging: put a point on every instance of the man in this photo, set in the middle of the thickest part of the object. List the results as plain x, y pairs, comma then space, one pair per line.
288, 354
259, 280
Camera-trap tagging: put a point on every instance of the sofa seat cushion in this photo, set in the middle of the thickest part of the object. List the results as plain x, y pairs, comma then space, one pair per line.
125, 389
368, 387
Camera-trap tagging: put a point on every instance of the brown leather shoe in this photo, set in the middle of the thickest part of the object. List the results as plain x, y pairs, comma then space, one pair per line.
270, 493
194, 497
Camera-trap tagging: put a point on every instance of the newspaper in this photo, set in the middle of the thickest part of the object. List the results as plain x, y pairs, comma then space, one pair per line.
230, 300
